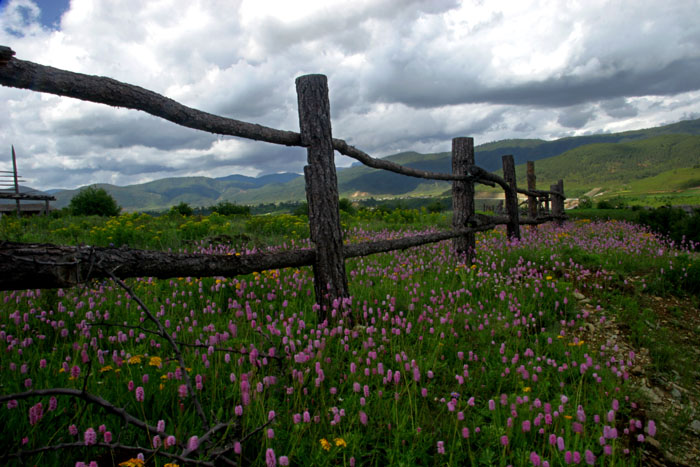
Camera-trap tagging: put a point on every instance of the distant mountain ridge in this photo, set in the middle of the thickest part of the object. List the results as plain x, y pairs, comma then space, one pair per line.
195, 191
582, 161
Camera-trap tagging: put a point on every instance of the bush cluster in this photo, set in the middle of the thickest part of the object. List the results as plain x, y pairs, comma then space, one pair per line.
673, 222
93, 201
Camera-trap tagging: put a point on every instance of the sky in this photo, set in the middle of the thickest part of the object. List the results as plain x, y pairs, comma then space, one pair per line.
404, 75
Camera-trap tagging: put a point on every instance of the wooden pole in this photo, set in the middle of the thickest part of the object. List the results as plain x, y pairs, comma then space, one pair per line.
531, 186
557, 203
463, 196
330, 279
14, 171
560, 193
513, 227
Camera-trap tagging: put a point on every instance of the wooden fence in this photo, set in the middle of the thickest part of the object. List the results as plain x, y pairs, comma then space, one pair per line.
47, 266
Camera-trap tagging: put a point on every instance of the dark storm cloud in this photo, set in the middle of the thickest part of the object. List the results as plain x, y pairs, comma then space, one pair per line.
428, 88
575, 117
619, 108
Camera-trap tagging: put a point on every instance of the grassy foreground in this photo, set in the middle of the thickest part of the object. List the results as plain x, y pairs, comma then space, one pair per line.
447, 363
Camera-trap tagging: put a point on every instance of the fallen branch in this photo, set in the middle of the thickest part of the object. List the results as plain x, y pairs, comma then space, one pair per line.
90, 398
43, 266
164, 334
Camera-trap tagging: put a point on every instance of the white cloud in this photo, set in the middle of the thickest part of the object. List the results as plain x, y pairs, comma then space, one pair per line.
403, 75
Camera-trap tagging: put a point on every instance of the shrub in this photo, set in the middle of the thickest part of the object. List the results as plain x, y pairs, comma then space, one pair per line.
183, 209
301, 210
93, 201
345, 204
584, 202
604, 204
227, 208
674, 222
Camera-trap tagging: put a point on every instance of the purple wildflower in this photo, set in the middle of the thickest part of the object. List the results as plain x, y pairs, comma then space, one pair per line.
270, 459
193, 443
90, 437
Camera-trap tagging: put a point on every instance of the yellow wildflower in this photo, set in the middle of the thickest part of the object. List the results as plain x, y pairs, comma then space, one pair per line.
136, 359
325, 444
106, 368
549, 278
527, 389
568, 417
170, 464
155, 361
62, 370
340, 442
133, 462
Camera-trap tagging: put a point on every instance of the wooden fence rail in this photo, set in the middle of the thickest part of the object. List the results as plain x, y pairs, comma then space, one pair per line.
47, 266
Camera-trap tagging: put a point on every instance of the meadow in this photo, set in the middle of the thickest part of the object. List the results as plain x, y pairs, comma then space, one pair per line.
431, 361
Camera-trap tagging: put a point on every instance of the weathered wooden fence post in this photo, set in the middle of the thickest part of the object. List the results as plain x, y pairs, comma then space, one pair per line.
513, 226
463, 196
330, 280
558, 202
531, 186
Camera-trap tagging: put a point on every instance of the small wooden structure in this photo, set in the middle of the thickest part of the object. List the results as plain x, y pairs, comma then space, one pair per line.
9, 189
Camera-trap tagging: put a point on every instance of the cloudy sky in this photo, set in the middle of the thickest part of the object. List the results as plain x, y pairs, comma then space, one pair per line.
403, 75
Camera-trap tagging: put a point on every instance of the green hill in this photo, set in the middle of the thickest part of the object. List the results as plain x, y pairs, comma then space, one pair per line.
613, 162
623, 166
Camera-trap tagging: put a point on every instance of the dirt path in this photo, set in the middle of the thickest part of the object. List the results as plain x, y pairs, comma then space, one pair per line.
668, 392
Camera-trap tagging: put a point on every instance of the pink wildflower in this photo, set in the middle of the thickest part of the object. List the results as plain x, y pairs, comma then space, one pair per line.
651, 428
270, 459
590, 457
193, 443
90, 437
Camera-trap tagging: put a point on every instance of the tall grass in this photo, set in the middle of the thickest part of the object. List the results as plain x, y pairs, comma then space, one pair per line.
449, 363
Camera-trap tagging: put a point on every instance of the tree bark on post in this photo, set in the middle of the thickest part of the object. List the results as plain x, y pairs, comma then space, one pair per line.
513, 227
463, 196
330, 279
531, 186
558, 201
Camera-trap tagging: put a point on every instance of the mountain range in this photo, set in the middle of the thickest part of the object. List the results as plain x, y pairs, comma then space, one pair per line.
606, 161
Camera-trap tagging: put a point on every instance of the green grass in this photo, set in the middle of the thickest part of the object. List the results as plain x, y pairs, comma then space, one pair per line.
472, 344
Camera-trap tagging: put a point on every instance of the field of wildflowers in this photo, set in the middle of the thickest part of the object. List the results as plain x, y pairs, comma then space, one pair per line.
445, 363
